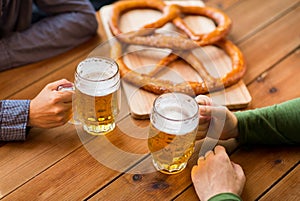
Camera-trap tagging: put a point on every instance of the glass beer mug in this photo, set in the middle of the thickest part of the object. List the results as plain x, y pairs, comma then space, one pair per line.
174, 122
97, 94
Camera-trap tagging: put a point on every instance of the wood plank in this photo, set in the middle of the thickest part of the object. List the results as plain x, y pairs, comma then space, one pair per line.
21, 161
151, 186
256, 15
73, 179
287, 188
263, 171
67, 71
281, 83
57, 163
270, 45
43, 148
221, 4
189, 194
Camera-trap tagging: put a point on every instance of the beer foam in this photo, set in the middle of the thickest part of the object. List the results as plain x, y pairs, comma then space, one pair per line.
173, 120
98, 89
175, 113
97, 77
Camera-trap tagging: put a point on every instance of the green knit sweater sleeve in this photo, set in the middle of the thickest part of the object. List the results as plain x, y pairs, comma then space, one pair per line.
277, 124
225, 197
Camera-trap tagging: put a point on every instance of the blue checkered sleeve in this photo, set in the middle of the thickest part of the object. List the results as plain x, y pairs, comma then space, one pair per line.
13, 119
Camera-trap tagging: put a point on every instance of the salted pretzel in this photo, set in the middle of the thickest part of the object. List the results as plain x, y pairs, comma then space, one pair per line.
208, 84
183, 46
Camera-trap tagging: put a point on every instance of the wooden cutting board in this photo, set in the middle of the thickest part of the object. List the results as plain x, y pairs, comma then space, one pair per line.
215, 60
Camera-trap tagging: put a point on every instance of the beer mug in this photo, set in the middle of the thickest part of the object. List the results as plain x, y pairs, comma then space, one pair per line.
174, 122
97, 94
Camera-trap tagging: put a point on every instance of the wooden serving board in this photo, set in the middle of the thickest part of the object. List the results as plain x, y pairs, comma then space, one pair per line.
215, 60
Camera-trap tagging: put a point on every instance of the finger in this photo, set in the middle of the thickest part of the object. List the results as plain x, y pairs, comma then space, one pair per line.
65, 97
204, 119
205, 111
213, 111
209, 153
63, 117
203, 125
240, 176
54, 85
66, 87
239, 171
221, 152
69, 113
194, 172
203, 100
219, 149
200, 159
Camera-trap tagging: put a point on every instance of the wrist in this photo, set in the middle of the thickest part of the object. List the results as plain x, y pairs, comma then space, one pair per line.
225, 196
30, 115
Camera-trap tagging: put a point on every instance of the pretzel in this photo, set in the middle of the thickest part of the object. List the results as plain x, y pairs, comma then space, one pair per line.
170, 13
182, 46
158, 86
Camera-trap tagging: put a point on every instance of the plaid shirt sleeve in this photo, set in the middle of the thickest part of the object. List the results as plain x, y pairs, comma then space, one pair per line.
13, 119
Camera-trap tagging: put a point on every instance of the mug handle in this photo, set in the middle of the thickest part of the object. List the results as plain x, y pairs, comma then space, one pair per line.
70, 87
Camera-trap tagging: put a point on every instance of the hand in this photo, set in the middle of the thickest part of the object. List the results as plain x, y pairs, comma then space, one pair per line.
215, 121
51, 108
215, 174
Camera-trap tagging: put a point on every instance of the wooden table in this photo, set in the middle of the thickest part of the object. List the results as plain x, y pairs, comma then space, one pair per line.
55, 165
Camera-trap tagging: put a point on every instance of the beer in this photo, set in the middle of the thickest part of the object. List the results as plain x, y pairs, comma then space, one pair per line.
97, 113
172, 133
97, 94
170, 152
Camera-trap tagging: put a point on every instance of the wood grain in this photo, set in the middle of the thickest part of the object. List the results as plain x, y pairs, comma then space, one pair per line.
287, 187
272, 165
256, 16
21, 161
61, 167
278, 84
271, 44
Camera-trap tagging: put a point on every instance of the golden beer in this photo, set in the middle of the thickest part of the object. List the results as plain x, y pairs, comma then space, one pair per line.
97, 113
97, 95
172, 133
170, 152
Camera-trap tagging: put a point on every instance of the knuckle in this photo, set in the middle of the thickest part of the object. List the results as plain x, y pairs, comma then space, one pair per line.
60, 120
55, 99
57, 111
